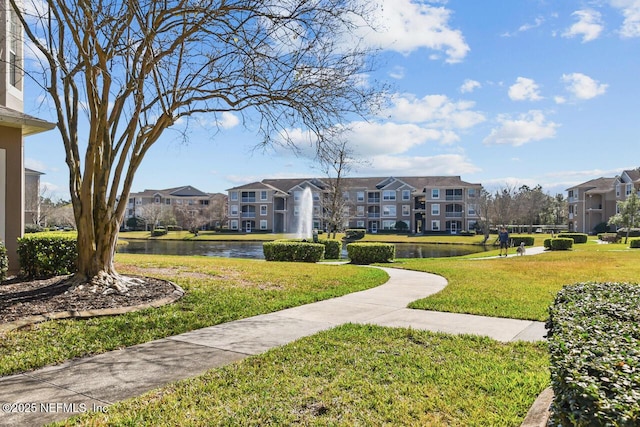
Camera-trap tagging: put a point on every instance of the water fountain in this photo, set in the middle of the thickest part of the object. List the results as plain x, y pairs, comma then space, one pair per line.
304, 223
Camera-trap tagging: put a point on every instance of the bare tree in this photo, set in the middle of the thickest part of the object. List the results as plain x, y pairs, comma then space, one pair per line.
531, 203
336, 162
484, 211
504, 206
130, 69
154, 213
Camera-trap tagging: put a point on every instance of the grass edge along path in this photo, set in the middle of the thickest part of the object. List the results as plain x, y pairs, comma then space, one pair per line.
218, 290
353, 375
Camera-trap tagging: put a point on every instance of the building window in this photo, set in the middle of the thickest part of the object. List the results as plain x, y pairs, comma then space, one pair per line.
316, 196
435, 225
373, 197
248, 197
360, 224
628, 190
388, 195
263, 224
14, 58
435, 209
359, 210
471, 192
167, 202
234, 196
406, 194
388, 225
263, 210
233, 224
389, 210
345, 195
263, 195
360, 196
435, 193
156, 199
406, 210
296, 211
233, 210
472, 209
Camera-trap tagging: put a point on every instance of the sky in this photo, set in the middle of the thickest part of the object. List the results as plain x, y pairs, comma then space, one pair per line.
501, 93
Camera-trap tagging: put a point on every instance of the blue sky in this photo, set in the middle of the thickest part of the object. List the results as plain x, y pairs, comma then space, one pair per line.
502, 93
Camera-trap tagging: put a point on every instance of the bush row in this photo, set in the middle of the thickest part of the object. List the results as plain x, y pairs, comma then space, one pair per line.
528, 240
577, 237
594, 336
558, 244
47, 256
368, 253
297, 251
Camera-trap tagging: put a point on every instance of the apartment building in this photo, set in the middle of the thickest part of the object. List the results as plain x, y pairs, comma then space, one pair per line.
595, 201
436, 204
184, 206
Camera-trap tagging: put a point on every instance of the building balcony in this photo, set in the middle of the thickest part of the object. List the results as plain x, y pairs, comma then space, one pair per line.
248, 215
453, 215
449, 198
373, 215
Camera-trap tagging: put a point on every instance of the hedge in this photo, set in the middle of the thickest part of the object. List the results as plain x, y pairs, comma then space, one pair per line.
577, 237
297, 251
4, 261
558, 244
634, 243
332, 248
368, 253
594, 346
528, 240
47, 256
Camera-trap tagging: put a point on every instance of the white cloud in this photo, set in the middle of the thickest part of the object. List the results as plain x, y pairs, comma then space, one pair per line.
446, 164
228, 120
435, 110
524, 89
589, 25
469, 86
528, 127
405, 26
397, 73
630, 9
583, 86
371, 139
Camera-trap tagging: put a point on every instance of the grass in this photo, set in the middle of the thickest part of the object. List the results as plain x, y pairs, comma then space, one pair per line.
353, 375
521, 287
218, 290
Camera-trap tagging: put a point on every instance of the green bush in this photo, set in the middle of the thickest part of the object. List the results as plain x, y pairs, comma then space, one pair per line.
4, 261
47, 256
159, 232
332, 248
354, 234
32, 228
528, 240
297, 251
368, 253
634, 243
577, 237
559, 244
594, 331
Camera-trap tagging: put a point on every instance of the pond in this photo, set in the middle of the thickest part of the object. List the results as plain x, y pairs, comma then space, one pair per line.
253, 250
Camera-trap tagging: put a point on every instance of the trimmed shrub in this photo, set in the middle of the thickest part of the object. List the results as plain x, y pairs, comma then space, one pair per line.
633, 232
297, 251
4, 261
634, 243
354, 233
594, 331
332, 248
559, 244
47, 256
158, 232
528, 240
609, 237
577, 237
368, 253
32, 228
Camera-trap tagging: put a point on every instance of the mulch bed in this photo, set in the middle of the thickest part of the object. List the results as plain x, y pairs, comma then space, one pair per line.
20, 298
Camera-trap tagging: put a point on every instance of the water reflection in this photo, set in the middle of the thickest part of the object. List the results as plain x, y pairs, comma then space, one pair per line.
253, 250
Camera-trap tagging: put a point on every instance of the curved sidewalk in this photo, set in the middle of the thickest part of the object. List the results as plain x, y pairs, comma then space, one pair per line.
93, 383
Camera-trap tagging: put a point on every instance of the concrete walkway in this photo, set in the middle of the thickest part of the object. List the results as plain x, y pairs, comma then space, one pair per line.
93, 383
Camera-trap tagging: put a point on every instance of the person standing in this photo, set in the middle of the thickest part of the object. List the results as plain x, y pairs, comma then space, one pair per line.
503, 238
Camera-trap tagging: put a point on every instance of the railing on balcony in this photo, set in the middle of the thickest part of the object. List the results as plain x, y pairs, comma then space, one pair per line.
453, 197
373, 215
373, 200
248, 200
453, 215
248, 215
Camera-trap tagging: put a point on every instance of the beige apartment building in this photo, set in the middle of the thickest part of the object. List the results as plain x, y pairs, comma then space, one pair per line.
595, 201
14, 126
427, 204
184, 206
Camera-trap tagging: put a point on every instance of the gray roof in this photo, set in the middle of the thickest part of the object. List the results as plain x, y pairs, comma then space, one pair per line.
416, 182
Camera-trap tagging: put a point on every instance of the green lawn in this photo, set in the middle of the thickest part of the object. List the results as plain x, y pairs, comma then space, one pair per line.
521, 287
353, 375
218, 290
